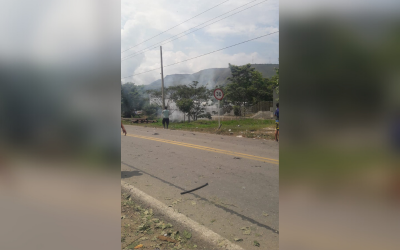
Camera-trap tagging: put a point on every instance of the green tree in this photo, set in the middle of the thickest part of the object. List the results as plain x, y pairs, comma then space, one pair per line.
236, 110
198, 95
274, 83
185, 105
260, 89
150, 110
156, 97
132, 98
247, 86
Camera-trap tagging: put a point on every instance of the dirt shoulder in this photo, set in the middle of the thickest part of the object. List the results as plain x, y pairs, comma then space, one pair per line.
249, 128
144, 228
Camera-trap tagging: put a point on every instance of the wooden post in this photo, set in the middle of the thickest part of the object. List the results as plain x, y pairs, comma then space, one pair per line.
162, 80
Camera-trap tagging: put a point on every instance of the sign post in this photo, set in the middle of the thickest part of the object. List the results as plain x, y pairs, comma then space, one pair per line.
219, 94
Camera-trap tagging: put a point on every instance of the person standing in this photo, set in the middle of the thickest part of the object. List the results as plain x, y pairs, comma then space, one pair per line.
123, 129
277, 122
165, 114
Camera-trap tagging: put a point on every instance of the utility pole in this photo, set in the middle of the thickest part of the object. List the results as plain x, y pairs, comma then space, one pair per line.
162, 80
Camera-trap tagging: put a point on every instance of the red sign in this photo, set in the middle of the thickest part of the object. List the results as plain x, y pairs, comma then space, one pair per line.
218, 94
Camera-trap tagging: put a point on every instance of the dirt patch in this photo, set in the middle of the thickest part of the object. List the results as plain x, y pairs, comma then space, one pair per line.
143, 228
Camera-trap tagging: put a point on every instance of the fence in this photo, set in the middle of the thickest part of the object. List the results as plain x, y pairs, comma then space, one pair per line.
262, 106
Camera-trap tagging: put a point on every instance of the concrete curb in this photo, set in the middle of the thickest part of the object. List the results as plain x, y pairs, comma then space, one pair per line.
201, 231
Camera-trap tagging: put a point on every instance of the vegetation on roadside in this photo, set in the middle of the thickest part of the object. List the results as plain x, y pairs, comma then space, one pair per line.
245, 87
141, 229
250, 128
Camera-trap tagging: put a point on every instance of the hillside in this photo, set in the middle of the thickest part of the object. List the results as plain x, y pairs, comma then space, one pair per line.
216, 76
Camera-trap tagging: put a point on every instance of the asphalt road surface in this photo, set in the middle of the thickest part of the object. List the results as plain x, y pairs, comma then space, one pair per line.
242, 197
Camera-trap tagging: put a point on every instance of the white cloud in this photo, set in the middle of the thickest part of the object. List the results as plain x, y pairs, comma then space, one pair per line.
144, 19
215, 60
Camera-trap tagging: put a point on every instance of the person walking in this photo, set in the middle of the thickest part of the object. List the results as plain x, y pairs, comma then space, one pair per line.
277, 122
165, 114
123, 129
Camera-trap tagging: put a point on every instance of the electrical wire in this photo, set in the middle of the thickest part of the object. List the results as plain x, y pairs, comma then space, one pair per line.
162, 42
173, 27
203, 54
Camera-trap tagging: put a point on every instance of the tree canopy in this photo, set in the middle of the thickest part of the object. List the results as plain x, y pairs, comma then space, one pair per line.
132, 98
190, 98
247, 86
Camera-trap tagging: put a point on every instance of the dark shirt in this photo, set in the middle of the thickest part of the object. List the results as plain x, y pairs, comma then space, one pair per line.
277, 114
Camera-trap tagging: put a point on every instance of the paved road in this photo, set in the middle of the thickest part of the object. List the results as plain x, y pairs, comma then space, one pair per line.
242, 173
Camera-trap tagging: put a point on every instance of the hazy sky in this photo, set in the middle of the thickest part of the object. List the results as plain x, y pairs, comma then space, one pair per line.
141, 20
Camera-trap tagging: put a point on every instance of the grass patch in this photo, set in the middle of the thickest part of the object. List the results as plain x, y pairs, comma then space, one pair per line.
250, 128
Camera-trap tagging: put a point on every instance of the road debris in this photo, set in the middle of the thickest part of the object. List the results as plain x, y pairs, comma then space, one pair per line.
239, 136
194, 189
187, 234
246, 230
238, 239
139, 227
165, 238
236, 158
155, 134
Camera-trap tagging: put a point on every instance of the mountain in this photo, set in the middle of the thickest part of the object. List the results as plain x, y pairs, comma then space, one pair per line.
215, 76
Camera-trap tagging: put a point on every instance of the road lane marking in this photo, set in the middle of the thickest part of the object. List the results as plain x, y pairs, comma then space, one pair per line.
215, 150
203, 147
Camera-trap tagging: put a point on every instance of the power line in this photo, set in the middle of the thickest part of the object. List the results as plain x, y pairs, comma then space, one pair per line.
202, 55
174, 27
151, 47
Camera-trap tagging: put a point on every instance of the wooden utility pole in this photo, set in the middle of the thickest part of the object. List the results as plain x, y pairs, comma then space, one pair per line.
162, 80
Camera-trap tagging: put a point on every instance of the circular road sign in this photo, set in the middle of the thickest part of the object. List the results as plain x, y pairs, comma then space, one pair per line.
218, 94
